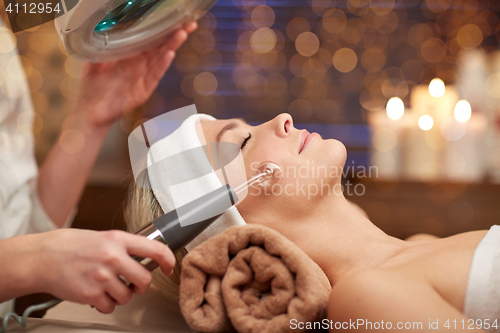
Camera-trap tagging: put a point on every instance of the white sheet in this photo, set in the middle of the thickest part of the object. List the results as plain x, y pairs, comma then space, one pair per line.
482, 299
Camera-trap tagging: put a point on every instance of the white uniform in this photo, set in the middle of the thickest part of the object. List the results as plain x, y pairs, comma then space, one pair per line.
20, 209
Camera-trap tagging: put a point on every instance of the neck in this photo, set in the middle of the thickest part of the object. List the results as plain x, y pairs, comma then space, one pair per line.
341, 239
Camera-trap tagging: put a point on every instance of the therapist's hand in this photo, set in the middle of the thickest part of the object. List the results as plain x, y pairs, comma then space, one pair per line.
110, 90
84, 266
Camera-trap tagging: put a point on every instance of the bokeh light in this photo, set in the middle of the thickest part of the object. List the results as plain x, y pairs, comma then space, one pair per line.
463, 111
345, 59
395, 108
437, 88
259, 59
296, 26
433, 50
469, 36
334, 20
263, 40
307, 44
263, 16
205, 83
425, 122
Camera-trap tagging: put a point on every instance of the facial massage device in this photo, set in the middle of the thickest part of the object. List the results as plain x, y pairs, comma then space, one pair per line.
110, 30
169, 230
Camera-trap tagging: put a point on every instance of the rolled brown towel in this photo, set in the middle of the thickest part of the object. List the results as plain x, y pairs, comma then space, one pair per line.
253, 279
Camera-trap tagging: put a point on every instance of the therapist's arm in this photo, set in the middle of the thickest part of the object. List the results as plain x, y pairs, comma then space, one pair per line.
82, 266
106, 93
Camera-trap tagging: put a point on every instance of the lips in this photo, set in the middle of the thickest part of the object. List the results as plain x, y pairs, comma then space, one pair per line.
305, 139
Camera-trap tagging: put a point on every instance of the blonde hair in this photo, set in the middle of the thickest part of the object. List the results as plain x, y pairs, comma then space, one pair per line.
142, 208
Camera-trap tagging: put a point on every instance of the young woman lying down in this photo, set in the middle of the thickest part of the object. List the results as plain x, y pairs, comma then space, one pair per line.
374, 277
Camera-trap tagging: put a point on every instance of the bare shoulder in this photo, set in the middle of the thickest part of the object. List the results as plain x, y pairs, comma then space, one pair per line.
359, 292
384, 295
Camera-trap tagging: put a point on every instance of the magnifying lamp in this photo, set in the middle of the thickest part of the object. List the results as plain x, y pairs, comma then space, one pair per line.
110, 30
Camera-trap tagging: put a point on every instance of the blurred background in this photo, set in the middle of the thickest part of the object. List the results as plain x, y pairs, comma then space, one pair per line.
412, 87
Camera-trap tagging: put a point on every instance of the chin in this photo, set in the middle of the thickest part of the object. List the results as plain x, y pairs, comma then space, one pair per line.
331, 156
335, 152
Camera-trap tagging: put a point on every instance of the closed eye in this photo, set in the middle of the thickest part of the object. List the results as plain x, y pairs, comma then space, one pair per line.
246, 140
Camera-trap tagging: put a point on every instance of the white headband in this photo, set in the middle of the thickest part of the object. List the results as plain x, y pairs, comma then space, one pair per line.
182, 139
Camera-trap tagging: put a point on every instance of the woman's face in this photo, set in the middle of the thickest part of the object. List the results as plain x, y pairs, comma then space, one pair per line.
308, 162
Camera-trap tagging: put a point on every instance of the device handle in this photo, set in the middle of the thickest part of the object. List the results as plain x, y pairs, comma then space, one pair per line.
179, 227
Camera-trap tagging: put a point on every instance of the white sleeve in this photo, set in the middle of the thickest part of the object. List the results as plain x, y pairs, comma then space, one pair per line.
20, 209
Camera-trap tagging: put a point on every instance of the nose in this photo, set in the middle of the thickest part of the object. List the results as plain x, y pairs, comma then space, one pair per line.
283, 124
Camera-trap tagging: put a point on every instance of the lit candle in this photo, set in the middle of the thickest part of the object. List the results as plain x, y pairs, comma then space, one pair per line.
464, 157
436, 100
422, 157
431, 105
388, 137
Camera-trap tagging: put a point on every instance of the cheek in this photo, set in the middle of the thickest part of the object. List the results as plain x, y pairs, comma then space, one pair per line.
265, 154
